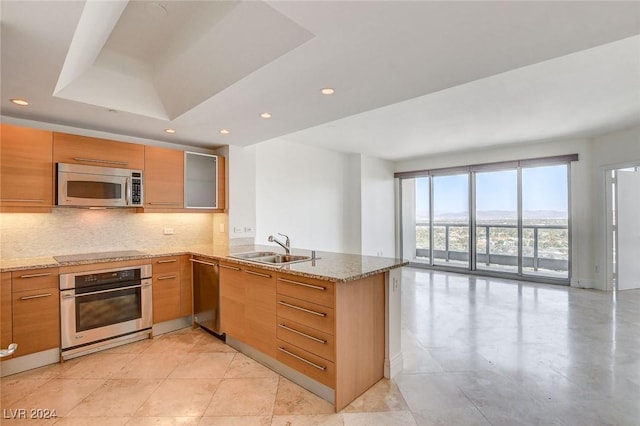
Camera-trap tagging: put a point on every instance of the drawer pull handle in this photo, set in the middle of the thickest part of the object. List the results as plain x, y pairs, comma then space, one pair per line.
315, 287
167, 261
168, 277
258, 274
44, 274
313, 364
206, 263
300, 308
22, 200
36, 296
96, 160
300, 333
230, 267
168, 203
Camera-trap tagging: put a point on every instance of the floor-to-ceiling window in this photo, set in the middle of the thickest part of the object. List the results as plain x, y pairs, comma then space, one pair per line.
545, 221
451, 220
499, 219
496, 200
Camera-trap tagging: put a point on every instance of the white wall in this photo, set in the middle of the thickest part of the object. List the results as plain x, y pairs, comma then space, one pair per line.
306, 193
241, 193
610, 151
582, 197
377, 207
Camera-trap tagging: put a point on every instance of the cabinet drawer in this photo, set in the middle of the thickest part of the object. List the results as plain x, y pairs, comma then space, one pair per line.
309, 339
36, 320
165, 265
316, 291
309, 314
35, 279
307, 363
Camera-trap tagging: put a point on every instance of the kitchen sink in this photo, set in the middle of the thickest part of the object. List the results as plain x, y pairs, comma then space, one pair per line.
271, 258
254, 254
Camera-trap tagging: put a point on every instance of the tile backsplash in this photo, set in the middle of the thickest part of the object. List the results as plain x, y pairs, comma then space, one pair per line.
73, 231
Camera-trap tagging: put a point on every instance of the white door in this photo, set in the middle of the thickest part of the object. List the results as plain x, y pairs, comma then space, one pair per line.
628, 212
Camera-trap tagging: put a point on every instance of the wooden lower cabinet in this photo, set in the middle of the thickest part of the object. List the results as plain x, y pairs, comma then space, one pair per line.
247, 306
35, 302
333, 333
172, 294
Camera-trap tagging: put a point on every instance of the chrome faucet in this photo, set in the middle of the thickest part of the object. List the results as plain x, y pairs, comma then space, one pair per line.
286, 246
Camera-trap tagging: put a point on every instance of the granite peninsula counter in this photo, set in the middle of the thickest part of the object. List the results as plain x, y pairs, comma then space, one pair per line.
329, 266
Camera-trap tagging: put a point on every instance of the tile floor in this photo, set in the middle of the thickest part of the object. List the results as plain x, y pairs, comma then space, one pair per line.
477, 352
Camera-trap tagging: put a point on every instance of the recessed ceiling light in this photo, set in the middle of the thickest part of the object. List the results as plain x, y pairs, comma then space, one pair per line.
20, 102
225, 131
171, 131
327, 91
265, 115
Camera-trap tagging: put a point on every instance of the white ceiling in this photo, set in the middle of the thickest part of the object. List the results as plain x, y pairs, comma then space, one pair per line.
411, 78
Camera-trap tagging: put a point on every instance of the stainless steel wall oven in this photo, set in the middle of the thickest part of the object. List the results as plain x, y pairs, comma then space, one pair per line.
104, 308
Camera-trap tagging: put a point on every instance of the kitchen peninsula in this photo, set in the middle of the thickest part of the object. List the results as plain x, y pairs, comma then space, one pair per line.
330, 324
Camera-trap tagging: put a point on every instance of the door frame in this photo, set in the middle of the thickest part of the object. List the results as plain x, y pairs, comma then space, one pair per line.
610, 219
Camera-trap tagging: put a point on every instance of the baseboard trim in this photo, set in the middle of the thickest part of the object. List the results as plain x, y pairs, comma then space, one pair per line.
29, 362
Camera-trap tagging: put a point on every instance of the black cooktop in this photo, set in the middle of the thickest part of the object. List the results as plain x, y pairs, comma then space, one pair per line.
98, 256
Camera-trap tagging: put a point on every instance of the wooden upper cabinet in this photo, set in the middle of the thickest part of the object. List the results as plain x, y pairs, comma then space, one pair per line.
26, 169
163, 178
98, 152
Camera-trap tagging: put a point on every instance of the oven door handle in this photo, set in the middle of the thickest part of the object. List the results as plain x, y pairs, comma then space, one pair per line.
107, 291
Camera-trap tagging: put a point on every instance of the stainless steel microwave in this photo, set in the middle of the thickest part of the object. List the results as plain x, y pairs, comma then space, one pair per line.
94, 186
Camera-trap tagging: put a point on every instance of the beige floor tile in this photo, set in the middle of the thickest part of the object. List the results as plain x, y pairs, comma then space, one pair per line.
92, 421
95, 366
309, 420
205, 342
236, 421
383, 396
26, 420
244, 367
179, 397
117, 397
203, 366
293, 399
176, 342
253, 397
389, 418
60, 395
164, 421
14, 389
149, 366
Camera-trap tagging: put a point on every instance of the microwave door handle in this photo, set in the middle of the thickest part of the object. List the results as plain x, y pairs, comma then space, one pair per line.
127, 191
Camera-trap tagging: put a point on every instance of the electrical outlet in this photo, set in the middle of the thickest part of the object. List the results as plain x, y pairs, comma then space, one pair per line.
237, 230
248, 229
168, 231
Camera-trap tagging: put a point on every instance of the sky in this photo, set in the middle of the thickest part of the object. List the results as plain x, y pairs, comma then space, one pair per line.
544, 188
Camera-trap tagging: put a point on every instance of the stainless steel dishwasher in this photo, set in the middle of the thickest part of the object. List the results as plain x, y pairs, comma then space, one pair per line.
206, 294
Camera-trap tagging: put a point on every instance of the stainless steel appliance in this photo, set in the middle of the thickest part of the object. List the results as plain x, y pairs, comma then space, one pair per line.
95, 186
105, 308
206, 295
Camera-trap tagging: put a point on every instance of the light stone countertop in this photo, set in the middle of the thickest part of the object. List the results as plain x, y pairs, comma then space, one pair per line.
336, 267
